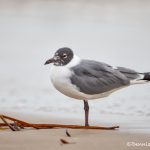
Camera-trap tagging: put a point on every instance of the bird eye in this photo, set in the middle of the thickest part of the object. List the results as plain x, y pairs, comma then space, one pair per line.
64, 55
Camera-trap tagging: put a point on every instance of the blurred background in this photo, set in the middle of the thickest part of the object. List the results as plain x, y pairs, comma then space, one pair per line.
116, 32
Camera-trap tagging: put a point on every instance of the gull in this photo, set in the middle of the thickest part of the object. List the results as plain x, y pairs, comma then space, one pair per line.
85, 80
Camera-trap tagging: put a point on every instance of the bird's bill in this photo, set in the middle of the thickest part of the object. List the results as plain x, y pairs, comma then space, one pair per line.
52, 60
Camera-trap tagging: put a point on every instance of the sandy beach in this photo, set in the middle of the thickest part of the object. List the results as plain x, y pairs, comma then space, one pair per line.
44, 139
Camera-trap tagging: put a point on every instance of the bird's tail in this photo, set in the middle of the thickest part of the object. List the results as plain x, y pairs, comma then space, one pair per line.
142, 78
134, 76
146, 76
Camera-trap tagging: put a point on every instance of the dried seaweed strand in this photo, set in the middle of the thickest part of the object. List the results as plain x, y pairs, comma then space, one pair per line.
23, 124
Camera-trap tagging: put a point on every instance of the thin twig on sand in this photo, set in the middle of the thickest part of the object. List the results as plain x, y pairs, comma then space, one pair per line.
19, 123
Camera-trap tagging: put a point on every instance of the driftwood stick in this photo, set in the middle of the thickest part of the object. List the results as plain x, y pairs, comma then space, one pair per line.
47, 126
73, 126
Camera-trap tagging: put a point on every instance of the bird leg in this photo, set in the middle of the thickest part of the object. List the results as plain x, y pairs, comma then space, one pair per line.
86, 109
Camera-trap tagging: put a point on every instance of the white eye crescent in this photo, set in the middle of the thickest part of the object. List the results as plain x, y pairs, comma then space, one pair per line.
64, 55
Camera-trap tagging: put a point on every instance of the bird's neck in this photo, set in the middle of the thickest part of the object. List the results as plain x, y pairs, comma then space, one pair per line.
75, 61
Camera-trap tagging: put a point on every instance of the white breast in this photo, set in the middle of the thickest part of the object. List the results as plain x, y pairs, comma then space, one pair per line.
60, 77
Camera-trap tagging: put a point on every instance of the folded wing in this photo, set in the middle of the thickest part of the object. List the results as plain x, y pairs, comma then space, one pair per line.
92, 77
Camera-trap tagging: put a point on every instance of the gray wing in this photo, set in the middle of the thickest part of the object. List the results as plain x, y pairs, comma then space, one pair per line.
93, 77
